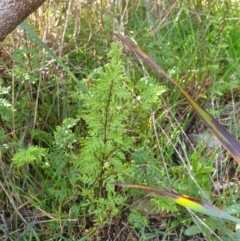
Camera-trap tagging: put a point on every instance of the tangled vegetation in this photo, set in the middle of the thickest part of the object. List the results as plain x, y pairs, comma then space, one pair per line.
65, 140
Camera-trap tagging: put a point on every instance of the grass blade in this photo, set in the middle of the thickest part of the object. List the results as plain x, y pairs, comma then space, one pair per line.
186, 201
224, 137
39, 41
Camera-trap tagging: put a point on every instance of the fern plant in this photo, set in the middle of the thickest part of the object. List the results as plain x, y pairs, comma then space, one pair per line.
103, 150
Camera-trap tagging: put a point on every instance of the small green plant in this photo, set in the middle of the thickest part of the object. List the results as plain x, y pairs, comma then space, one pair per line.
103, 150
33, 154
5, 105
137, 219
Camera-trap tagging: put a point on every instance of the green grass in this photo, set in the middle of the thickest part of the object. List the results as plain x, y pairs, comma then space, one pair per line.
61, 148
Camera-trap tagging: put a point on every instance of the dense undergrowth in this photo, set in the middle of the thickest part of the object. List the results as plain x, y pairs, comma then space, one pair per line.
61, 149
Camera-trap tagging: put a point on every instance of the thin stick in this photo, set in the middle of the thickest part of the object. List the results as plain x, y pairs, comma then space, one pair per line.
13, 204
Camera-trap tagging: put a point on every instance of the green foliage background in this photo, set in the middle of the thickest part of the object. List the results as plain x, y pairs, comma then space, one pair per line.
61, 149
